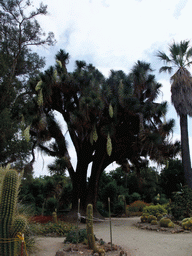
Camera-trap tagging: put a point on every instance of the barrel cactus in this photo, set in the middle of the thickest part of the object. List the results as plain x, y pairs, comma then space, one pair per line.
187, 223
90, 234
10, 224
144, 217
166, 222
150, 218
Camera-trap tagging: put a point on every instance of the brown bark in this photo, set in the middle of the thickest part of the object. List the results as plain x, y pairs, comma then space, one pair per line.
186, 161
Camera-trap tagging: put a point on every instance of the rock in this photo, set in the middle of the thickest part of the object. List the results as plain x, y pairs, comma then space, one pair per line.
67, 247
122, 253
60, 253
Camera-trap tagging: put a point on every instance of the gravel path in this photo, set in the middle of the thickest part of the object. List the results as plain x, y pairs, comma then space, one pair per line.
124, 233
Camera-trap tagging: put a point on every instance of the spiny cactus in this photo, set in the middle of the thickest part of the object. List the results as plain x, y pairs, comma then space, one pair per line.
150, 218
90, 234
10, 225
187, 223
166, 222
144, 217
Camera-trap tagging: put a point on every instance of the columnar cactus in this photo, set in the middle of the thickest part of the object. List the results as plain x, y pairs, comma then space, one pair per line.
10, 225
90, 234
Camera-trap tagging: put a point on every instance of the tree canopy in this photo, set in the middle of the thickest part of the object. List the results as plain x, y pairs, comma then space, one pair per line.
19, 31
108, 119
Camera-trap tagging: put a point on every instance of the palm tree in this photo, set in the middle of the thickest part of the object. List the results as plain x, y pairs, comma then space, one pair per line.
181, 89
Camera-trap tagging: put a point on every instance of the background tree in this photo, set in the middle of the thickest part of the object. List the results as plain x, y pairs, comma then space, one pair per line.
19, 31
172, 177
106, 120
181, 89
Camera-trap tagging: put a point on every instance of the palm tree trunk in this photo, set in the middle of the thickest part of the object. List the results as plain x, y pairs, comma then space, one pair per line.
186, 160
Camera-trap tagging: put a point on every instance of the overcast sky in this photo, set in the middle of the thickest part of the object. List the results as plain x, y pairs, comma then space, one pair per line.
114, 34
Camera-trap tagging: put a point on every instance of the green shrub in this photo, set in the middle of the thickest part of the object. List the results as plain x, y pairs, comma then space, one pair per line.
166, 222
73, 235
119, 208
51, 205
135, 197
181, 206
101, 209
58, 229
160, 199
155, 210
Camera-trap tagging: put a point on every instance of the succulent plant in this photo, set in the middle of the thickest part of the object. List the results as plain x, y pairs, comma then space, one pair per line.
166, 222
90, 234
10, 224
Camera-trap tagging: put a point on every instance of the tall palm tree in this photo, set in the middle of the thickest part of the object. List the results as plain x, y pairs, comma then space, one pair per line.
181, 89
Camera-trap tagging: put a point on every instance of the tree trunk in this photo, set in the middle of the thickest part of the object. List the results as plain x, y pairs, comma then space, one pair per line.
186, 160
79, 183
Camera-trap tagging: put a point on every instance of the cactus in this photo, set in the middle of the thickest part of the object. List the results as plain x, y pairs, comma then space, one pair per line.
54, 214
154, 222
90, 234
144, 217
166, 222
150, 218
187, 223
10, 225
159, 217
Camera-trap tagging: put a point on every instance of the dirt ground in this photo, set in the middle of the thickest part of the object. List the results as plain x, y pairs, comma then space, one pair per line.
135, 241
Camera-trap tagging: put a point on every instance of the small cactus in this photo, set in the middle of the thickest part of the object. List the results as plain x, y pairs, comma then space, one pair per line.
187, 223
166, 222
154, 222
159, 217
90, 234
150, 218
144, 217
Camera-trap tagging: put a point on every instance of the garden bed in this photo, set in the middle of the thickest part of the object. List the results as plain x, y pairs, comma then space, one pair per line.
148, 226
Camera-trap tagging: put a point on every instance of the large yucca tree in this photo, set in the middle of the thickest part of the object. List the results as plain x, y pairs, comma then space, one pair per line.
179, 59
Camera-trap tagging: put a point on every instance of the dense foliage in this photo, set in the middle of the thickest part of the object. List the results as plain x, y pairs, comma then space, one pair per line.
181, 206
19, 32
108, 119
45, 194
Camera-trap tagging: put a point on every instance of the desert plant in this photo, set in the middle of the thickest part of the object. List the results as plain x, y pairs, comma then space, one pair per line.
135, 197
90, 234
154, 222
10, 224
150, 218
155, 210
72, 236
166, 222
159, 217
187, 223
144, 217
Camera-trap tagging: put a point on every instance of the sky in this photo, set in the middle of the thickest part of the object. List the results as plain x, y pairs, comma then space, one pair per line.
114, 34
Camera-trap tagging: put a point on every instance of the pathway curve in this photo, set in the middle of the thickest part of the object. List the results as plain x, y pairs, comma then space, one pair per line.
124, 233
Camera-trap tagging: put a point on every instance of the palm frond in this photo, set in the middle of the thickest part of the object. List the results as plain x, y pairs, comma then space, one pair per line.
174, 50
163, 56
189, 63
189, 54
183, 47
166, 69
